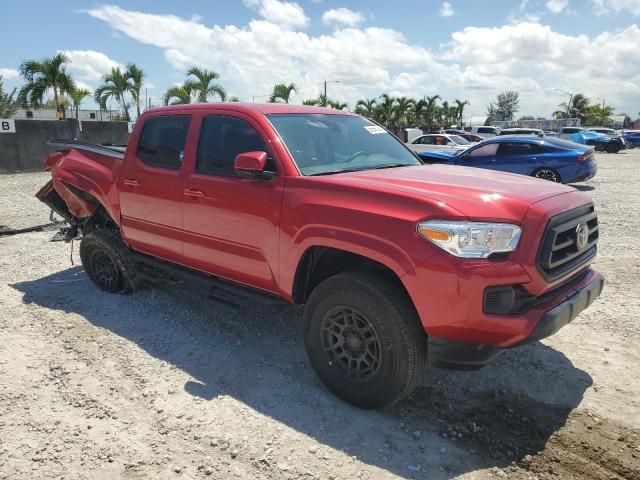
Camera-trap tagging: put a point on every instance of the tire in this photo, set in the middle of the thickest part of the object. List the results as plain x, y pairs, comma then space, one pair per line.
612, 147
107, 262
366, 322
547, 174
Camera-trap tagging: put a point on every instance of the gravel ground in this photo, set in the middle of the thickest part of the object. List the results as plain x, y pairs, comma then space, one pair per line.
169, 384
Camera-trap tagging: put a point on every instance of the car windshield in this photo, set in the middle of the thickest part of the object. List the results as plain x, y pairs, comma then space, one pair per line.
323, 144
459, 140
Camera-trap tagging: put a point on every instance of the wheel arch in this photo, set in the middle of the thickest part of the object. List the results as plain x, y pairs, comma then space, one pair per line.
319, 262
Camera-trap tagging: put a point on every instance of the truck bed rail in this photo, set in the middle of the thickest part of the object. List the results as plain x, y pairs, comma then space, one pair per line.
65, 144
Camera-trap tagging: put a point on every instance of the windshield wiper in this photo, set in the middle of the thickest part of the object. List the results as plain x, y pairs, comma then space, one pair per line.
380, 167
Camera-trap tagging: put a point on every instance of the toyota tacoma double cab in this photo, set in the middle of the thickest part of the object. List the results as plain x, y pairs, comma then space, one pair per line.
399, 264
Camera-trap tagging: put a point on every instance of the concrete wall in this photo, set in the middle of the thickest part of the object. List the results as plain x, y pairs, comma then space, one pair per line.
26, 150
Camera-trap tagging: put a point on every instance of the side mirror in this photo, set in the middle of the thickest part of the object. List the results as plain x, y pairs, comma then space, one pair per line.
250, 164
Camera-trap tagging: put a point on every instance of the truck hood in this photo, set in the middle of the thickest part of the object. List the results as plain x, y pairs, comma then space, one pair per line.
479, 194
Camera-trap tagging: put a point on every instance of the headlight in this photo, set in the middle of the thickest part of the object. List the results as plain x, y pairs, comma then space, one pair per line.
471, 239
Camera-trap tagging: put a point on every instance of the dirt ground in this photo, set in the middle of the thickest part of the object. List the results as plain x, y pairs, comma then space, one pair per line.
167, 383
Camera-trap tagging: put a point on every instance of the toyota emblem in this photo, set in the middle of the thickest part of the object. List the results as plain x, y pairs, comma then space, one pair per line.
582, 236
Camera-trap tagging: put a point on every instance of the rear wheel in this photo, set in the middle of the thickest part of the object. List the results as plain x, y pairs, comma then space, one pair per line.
106, 260
612, 147
547, 174
364, 339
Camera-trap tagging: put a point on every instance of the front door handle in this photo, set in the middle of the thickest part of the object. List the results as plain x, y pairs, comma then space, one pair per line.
131, 182
193, 193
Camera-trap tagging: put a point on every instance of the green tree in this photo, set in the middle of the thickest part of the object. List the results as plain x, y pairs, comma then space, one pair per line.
386, 107
505, 107
203, 86
115, 85
337, 104
178, 95
8, 106
77, 96
135, 76
577, 107
367, 107
598, 115
460, 104
431, 110
403, 111
527, 117
282, 92
42, 76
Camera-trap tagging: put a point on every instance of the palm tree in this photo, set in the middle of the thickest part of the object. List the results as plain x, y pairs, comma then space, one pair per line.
135, 76
338, 105
8, 106
403, 110
77, 96
181, 94
430, 110
41, 76
460, 104
386, 106
579, 104
282, 92
116, 85
367, 107
321, 101
202, 85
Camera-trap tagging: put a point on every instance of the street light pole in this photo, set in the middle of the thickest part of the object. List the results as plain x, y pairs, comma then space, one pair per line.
325, 85
570, 98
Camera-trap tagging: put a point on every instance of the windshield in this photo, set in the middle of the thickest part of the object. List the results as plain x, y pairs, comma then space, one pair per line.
325, 144
459, 140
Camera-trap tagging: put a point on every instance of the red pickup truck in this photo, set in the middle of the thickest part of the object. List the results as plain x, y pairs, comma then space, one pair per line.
399, 264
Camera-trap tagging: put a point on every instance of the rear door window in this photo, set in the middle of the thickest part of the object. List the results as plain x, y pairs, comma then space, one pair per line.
511, 149
162, 141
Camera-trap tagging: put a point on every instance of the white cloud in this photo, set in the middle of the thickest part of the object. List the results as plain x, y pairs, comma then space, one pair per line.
342, 16
557, 6
446, 10
88, 64
602, 7
476, 64
9, 73
284, 14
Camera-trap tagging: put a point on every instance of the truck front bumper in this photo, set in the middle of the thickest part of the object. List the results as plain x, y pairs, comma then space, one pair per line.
459, 355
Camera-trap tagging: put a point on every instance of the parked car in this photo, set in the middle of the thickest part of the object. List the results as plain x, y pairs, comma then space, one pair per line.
454, 131
398, 264
471, 137
484, 132
438, 141
600, 141
522, 131
547, 158
632, 137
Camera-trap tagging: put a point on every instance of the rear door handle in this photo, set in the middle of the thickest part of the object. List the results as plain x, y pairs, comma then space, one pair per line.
131, 182
192, 193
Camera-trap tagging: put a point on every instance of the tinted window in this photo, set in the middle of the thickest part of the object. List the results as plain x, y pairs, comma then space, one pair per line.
487, 130
514, 149
221, 140
162, 141
485, 150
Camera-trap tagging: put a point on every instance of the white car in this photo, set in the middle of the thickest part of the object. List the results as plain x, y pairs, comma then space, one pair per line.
438, 141
484, 131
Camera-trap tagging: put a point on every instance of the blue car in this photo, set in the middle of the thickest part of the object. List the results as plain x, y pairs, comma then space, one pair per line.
552, 159
632, 138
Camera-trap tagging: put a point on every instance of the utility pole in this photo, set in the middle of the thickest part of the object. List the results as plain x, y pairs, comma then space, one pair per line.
325, 85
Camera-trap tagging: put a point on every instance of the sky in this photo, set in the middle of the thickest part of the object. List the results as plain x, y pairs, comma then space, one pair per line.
459, 49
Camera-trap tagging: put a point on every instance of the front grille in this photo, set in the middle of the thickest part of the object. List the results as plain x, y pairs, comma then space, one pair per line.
561, 251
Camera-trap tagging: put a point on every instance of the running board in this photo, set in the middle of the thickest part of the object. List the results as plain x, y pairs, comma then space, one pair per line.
220, 289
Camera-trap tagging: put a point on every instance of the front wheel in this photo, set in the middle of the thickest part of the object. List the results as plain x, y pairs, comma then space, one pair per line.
547, 174
364, 339
612, 147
